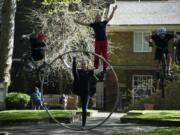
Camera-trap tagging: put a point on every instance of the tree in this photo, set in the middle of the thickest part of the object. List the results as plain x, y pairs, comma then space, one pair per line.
56, 20
7, 41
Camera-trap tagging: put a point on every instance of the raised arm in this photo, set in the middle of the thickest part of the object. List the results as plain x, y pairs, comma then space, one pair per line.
81, 23
112, 14
74, 69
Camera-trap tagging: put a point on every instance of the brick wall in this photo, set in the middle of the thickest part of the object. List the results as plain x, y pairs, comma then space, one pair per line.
120, 59
125, 55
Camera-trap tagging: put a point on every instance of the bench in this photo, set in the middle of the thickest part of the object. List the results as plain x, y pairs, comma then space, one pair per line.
58, 101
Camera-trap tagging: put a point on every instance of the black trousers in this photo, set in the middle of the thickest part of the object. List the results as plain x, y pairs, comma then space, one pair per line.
84, 103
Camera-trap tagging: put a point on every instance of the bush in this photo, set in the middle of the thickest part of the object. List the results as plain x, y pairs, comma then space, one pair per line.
17, 100
170, 102
176, 68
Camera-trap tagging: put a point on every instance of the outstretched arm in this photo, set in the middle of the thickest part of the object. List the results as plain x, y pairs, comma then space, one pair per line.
112, 14
81, 23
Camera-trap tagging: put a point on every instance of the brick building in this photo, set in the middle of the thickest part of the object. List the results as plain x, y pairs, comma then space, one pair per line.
133, 60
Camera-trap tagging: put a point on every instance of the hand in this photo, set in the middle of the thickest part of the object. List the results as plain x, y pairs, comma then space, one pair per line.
150, 44
115, 7
25, 36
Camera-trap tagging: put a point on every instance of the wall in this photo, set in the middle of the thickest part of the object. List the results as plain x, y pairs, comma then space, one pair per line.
125, 55
126, 64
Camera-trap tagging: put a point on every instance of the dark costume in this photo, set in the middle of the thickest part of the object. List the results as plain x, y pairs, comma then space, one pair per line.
37, 49
101, 42
83, 86
161, 43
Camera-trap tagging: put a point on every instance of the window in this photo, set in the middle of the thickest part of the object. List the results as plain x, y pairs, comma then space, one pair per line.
140, 44
142, 86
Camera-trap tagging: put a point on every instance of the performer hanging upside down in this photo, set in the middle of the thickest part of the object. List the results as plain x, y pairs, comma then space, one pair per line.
101, 42
83, 86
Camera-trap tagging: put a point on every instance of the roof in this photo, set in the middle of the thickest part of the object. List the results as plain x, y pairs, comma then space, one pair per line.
146, 13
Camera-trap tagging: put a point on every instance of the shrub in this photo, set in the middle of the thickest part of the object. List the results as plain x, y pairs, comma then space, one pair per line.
17, 100
176, 68
170, 102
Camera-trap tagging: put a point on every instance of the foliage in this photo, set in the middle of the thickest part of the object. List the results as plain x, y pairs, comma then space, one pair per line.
17, 100
56, 20
49, 2
176, 68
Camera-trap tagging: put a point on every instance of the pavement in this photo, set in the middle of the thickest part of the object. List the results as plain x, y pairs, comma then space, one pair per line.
111, 125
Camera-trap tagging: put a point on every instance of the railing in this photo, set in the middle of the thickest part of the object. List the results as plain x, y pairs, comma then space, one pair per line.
61, 101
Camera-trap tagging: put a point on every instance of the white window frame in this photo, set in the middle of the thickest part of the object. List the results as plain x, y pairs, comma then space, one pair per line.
143, 42
147, 87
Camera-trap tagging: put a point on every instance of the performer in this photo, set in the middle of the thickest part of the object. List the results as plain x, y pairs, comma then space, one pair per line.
101, 42
161, 40
82, 86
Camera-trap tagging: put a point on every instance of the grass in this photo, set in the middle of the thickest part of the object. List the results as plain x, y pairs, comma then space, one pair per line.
36, 114
33, 114
161, 131
155, 114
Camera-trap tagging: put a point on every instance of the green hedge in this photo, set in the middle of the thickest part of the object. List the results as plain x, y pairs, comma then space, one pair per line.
16, 100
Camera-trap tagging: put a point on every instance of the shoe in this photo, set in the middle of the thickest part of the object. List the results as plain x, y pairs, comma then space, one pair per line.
82, 128
169, 73
100, 76
157, 75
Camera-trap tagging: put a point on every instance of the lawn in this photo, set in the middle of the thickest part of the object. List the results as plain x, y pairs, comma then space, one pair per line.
155, 114
36, 114
161, 131
33, 114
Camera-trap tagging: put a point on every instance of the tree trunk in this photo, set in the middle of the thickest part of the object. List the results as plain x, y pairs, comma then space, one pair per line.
6, 46
7, 39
